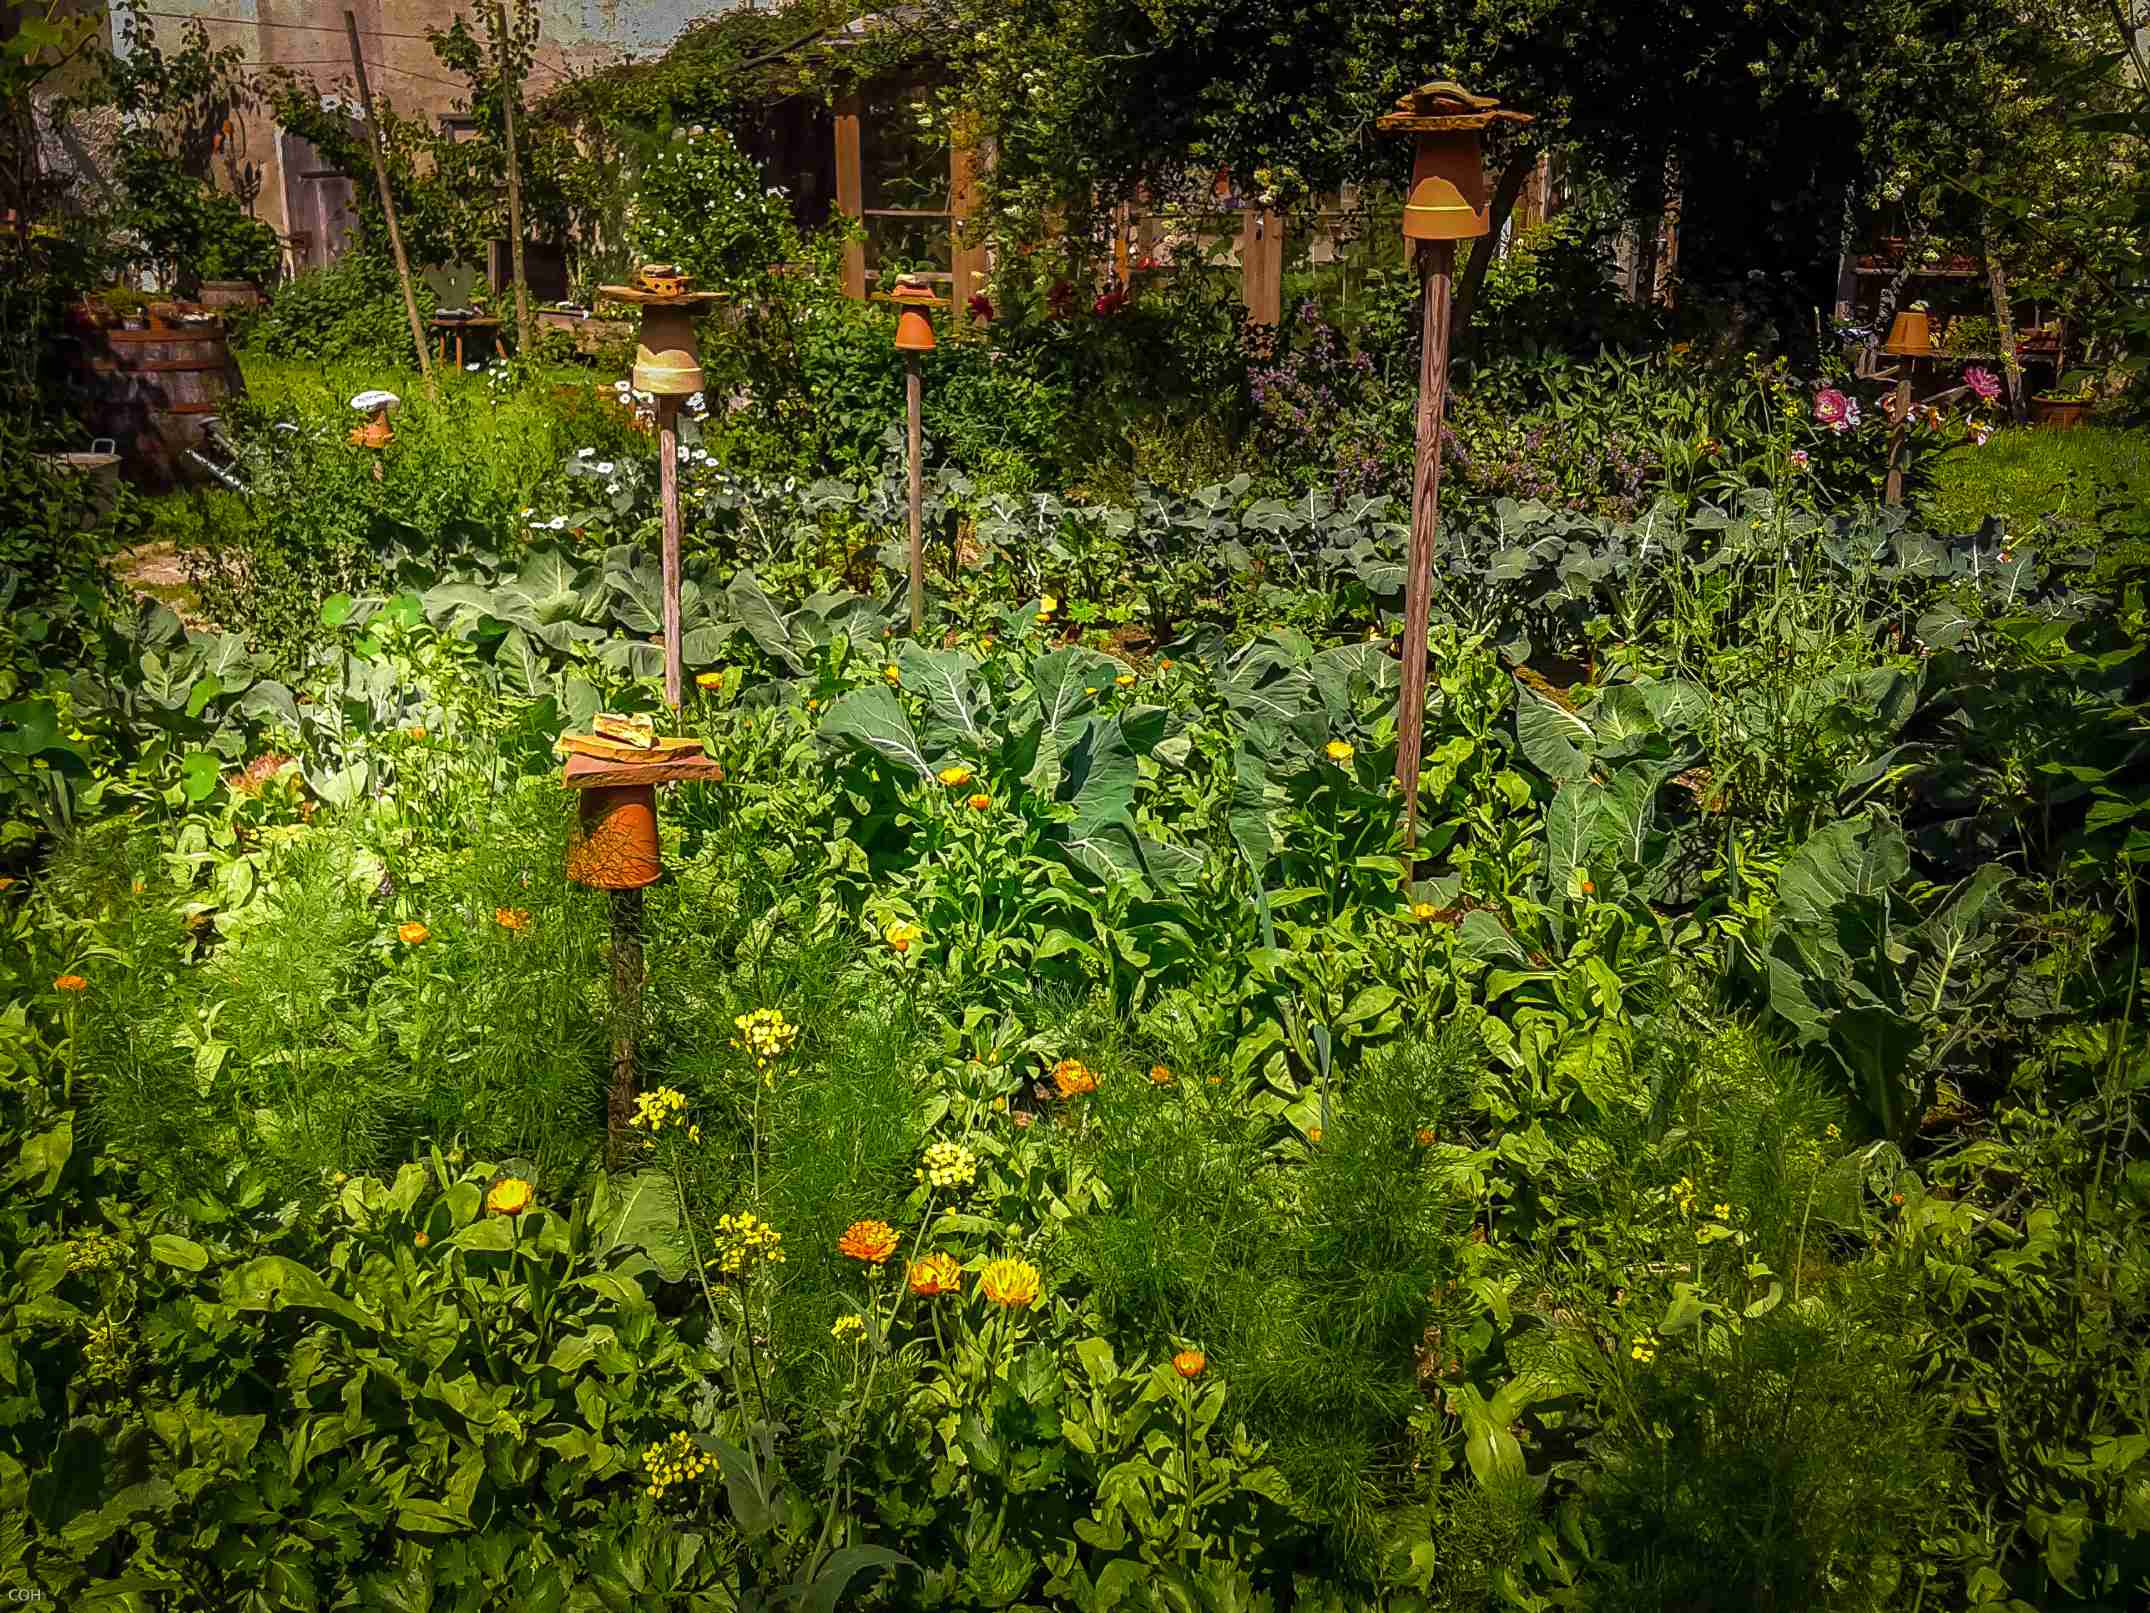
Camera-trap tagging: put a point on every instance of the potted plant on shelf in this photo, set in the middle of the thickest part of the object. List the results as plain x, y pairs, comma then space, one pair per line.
2066, 406
123, 306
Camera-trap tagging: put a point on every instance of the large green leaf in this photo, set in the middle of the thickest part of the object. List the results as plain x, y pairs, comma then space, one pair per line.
945, 678
873, 719
762, 620
276, 1283
1853, 857
1554, 739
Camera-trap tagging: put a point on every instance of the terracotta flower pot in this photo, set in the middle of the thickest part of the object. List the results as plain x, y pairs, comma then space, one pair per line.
2060, 414
1911, 332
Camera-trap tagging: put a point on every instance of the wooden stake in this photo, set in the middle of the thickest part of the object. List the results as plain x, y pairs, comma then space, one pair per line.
388, 205
668, 490
1894, 492
913, 390
509, 89
1436, 267
625, 908
2004, 322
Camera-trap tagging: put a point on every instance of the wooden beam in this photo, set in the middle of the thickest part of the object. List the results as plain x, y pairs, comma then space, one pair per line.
851, 190
388, 203
1261, 264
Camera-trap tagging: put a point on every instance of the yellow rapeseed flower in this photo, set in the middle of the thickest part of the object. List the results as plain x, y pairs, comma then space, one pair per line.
949, 1165
511, 1195
848, 1327
667, 1106
677, 1460
743, 1242
1010, 1283
1641, 1349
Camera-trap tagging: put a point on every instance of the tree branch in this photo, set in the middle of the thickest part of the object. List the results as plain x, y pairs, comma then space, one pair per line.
1505, 191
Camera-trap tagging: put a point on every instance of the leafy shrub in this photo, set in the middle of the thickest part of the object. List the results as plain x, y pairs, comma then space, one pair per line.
704, 205
350, 310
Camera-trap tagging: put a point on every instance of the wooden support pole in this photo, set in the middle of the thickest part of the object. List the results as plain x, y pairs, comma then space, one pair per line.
388, 204
668, 492
967, 263
625, 908
510, 89
851, 191
1261, 265
2004, 323
1898, 427
913, 394
1436, 267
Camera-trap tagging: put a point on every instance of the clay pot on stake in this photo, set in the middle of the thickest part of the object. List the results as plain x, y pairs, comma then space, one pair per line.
914, 336
1447, 203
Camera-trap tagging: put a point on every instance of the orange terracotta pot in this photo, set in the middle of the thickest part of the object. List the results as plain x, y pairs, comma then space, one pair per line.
614, 846
1910, 332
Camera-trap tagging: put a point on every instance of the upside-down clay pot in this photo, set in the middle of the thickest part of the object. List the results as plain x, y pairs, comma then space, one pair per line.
1448, 199
1910, 332
614, 846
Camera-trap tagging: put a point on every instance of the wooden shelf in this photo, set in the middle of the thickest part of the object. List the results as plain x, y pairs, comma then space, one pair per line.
1920, 274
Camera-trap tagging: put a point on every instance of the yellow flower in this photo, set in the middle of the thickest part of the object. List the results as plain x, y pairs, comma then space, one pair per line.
954, 776
1074, 1078
413, 934
512, 918
1160, 1076
848, 1327
899, 936
667, 1106
1832, 1134
1165, 665
949, 1165
1125, 680
1048, 605
1337, 751
1190, 1363
1684, 1194
1721, 1210
1641, 1349
768, 1034
418, 732
869, 1241
894, 674
1011, 1283
1313, 1134
1044, 619
979, 802
421, 1240
708, 680
986, 643
935, 1275
511, 1195
1424, 912
675, 1461
1425, 1137
7, 882
744, 1241
70, 983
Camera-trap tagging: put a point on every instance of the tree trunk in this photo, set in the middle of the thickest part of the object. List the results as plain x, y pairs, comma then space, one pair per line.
1505, 191
2004, 321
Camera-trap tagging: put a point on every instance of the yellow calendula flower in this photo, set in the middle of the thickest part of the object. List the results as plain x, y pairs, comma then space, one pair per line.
979, 802
954, 777
900, 936
1337, 751
1048, 605
511, 1195
413, 934
893, 673
1125, 680
848, 1327
1424, 912
1012, 1284
708, 680
1190, 1363
936, 1275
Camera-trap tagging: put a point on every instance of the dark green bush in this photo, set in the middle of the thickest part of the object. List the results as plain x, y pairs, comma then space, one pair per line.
350, 310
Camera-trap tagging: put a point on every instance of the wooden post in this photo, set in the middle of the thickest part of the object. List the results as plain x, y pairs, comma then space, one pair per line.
509, 90
1261, 264
668, 492
851, 191
913, 389
1894, 492
625, 908
1436, 267
968, 263
388, 204
2004, 324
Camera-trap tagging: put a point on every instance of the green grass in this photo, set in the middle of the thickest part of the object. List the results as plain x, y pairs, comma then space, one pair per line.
2027, 476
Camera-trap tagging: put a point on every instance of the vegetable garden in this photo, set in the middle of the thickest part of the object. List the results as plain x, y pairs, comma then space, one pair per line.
1074, 1151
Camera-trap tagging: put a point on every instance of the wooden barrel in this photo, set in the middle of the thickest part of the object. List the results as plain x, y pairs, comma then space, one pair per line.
153, 390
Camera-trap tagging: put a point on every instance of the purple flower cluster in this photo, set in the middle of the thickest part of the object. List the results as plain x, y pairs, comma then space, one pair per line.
1307, 393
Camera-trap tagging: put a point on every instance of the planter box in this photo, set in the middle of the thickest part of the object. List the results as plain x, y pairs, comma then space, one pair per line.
590, 332
2060, 414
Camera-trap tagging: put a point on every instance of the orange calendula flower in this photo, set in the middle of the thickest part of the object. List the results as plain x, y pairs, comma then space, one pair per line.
1164, 666
979, 802
708, 680
512, 918
511, 1195
1074, 1078
420, 1239
1160, 1076
418, 732
956, 776
1190, 1363
1425, 1137
413, 934
7, 882
1010, 1283
869, 1241
70, 983
1313, 1134
936, 1275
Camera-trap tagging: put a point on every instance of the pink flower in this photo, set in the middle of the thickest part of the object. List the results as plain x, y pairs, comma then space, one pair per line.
1984, 382
981, 306
1799, 459
1834, 410
1109, 304
1145, 264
